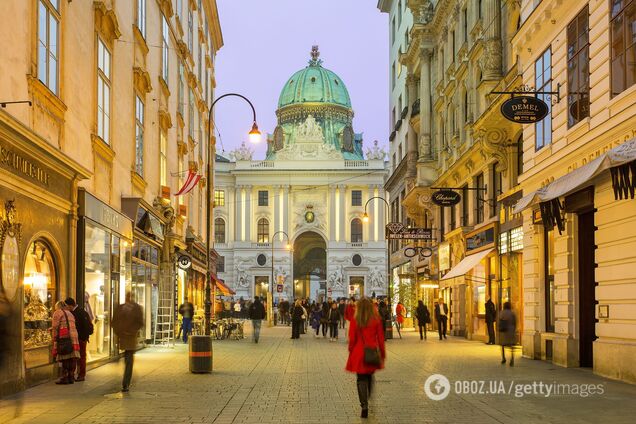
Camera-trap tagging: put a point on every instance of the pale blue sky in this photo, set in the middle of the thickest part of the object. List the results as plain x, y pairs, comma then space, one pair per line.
266, 41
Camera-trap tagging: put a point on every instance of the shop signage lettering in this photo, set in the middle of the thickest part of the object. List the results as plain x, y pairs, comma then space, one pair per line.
425, 234
19, 163
446, 198
524, 109
480, 239
184, 262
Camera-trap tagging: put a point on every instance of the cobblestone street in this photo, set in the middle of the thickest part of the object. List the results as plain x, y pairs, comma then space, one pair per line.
285, 381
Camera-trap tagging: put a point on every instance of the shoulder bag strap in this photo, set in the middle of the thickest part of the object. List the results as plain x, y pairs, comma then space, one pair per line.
68, 326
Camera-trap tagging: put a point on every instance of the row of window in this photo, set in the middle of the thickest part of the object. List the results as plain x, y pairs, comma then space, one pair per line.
262, 230
263, 198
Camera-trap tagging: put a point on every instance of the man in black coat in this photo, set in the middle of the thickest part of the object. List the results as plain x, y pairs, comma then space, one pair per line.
491, 316
84, 328
257, 315
441, 315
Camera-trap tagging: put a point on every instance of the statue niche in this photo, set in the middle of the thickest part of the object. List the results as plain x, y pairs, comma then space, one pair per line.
348, 138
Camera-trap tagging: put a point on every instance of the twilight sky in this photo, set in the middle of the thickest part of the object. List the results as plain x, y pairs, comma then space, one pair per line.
266, 41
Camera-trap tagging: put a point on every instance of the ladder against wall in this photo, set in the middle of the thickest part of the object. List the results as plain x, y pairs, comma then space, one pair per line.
165, 313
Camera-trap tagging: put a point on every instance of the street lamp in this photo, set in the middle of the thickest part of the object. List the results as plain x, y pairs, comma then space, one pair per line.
365, 218
254, 136
270, 302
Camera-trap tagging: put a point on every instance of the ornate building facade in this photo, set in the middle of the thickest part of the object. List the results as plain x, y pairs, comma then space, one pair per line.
304, 203
119, 94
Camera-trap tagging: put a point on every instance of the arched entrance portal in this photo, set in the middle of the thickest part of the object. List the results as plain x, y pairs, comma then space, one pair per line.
310, 266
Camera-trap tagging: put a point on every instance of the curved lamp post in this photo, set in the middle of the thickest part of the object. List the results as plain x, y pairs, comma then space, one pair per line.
254, 135
365, 218
270, 303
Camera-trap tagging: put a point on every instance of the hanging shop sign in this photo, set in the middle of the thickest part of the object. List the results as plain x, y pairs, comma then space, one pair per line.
184, 262
446, 198
524, 109
481, 239
425, 234
424, 252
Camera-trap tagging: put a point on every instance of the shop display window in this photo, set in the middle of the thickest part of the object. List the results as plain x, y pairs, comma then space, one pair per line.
145, 282
40, 294
97, 288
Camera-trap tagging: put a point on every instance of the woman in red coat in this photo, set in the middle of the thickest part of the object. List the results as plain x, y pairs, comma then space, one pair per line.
365, 331
400, 312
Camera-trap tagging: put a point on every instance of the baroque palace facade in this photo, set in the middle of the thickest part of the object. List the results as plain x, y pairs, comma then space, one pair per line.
546, 215
119, 96
296, 217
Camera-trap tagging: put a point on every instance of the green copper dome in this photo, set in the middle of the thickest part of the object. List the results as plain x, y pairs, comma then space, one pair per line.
314, 84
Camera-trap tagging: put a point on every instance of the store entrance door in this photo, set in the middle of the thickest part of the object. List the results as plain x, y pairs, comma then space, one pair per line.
356, 287
587, 319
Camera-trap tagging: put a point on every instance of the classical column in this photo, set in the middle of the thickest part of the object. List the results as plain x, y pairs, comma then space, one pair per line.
411, 135
276, 199
342, 212
286, 207
333, 218
230, 204
491, 59
248, 213
425, 152
370, 225
238, 214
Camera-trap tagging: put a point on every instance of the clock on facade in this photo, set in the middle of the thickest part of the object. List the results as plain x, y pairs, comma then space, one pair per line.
309, 217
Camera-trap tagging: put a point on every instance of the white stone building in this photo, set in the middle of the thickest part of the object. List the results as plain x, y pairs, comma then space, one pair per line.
310, 195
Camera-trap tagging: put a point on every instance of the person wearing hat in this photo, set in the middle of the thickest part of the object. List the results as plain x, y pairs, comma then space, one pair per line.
84, 328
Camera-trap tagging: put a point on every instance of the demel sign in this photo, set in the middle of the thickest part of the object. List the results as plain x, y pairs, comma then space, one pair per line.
524, 109
446, 198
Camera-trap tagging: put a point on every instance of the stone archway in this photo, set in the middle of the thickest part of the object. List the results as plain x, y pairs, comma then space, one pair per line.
310, 265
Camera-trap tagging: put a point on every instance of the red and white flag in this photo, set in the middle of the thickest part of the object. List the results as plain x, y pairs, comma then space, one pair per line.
190, 183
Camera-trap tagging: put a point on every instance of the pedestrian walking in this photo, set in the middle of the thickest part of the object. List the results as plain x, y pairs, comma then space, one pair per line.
187, 313
84, 328
491, 316
385, 316
316, 318
366, 350
65, 342
305, 315
507, 332
334, 321
400, 313
350, 309
237, 310
297, 319
441, 316
423, 317
127, 320
341, 308
257, 315
324, 321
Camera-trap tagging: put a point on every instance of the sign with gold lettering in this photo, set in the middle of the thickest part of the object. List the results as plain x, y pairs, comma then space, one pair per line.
24, 166
524, 109
446, 198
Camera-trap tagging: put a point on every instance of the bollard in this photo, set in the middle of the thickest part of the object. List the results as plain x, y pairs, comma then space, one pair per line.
200, 354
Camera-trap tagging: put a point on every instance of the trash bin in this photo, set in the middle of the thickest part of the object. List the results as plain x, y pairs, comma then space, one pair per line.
200, 354
388, 329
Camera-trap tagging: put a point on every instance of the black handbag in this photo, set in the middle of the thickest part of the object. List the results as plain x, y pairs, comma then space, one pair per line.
64, 344
371, 354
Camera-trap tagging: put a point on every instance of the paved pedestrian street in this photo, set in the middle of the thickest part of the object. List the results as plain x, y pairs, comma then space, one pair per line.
303, 381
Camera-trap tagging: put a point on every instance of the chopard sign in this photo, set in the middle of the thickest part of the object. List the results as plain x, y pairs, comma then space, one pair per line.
446, 198
22, 165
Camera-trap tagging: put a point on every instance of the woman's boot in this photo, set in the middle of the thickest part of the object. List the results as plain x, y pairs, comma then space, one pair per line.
363, 395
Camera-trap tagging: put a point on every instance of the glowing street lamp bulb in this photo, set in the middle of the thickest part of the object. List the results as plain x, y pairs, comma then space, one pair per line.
254, 134
365, 217
288, 246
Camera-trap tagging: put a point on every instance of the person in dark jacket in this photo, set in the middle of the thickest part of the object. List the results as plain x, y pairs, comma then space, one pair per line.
257, 315
507, 332
187, 312
491, 316
441, 316
334, 321
84, 328
316, 317
341, 308
324, 321
128, 319
423, 317
297, 319
366, 331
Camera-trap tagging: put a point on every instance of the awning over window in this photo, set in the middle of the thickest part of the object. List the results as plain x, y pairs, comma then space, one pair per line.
220, 286
620, 160
466, 264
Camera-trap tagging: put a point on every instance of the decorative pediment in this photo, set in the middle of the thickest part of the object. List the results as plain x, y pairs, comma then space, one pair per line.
165, 121
106, 22
142, 80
